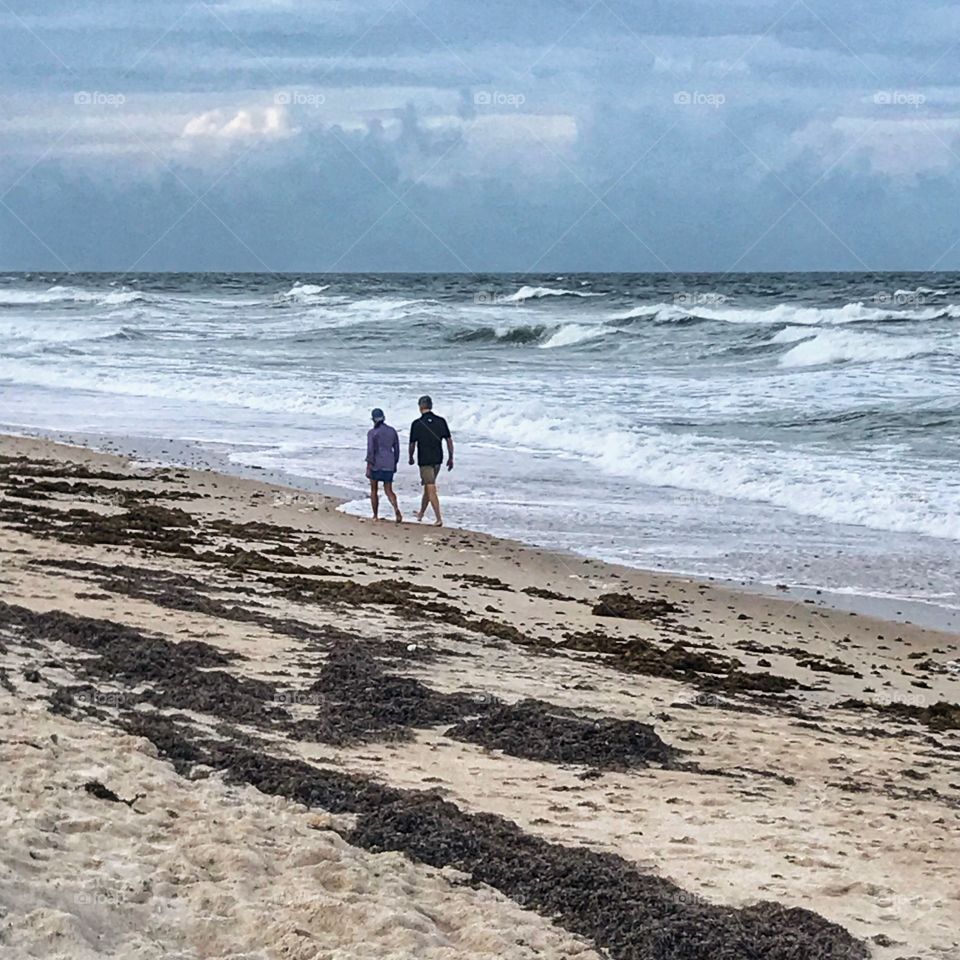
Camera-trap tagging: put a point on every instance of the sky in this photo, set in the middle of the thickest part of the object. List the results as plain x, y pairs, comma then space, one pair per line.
406, 135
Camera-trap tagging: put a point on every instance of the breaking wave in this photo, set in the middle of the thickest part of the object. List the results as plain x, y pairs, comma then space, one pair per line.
538, 293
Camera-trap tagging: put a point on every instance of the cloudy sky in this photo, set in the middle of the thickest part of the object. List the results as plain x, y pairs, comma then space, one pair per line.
295, 135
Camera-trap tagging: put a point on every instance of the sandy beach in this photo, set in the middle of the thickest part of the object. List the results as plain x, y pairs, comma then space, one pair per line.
235, 722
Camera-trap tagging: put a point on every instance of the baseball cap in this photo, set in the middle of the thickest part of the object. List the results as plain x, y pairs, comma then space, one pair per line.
376, 414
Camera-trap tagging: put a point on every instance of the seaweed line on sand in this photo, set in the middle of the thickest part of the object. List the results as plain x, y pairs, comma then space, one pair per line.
630, 914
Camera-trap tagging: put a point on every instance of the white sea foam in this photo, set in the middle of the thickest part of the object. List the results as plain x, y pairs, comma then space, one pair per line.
304, 293
269, 394
922, 291
793, 334
538, 293
38, 332
844, 346
120, 297
572, 333
854, 489
61, 294
785, 313
389, 304
858, 492
653, 311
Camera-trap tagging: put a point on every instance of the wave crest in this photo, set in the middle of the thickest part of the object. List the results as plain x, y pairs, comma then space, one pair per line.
60, 294
538, 293
843, 346
305, 293
785, 313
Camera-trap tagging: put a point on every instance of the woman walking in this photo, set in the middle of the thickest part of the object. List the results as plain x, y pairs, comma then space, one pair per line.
383, 455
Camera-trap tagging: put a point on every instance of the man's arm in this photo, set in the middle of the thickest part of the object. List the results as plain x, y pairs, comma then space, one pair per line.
449, 451
413, 440
369, 452
396, 449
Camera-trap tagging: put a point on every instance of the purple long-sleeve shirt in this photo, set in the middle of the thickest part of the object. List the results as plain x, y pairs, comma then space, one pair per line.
383, 447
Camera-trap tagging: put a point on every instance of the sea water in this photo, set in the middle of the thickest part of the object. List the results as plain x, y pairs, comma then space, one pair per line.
768, 427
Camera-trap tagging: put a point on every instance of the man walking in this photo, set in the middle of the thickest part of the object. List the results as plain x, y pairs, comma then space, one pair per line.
383, 456
426, 438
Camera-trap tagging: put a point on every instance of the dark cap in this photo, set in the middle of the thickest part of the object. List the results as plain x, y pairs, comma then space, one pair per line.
376, 414
425, 401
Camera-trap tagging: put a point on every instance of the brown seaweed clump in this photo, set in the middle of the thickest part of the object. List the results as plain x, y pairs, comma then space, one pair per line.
536, 730
939, 716
628, 607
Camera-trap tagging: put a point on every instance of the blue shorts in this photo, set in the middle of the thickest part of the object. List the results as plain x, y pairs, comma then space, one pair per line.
384, 476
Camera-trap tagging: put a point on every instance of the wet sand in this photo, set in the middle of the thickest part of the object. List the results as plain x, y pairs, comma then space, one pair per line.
545, 755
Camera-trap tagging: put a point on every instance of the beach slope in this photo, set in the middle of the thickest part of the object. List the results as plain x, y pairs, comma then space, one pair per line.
236, 722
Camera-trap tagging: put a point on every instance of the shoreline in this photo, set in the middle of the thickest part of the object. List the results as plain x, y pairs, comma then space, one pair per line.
203, 455
732, 761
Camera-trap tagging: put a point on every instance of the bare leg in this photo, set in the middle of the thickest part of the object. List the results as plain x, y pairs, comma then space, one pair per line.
424, 503
430, 492
374, 499
392, 497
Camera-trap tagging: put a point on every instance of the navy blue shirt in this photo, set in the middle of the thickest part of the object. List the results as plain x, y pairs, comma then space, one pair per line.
428, 433
383, 447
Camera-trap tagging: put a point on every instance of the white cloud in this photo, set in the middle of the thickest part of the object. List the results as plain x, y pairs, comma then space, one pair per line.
266, 123
896, 147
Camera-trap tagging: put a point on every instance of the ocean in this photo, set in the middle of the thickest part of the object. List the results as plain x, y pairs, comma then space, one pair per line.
795, 428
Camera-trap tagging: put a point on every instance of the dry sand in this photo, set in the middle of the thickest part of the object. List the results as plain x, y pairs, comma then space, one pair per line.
834, 786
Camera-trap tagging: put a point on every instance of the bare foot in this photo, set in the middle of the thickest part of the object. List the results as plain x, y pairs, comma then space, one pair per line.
438, 523
419, 517
399, 517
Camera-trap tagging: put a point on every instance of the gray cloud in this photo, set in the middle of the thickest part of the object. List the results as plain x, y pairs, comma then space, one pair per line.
631, 134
